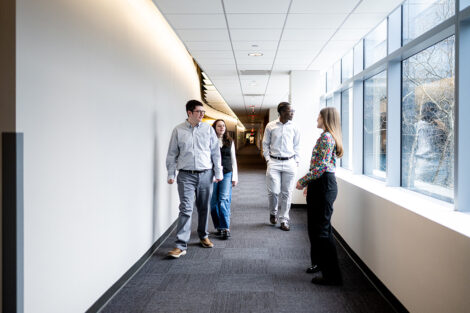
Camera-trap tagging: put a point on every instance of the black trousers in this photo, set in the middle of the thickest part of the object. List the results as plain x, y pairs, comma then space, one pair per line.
321, 194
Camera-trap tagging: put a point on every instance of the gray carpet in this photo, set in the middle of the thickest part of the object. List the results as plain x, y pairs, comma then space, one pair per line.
260, 269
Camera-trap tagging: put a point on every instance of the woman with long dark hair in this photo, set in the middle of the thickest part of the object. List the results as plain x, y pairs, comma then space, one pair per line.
222, 191
321, 192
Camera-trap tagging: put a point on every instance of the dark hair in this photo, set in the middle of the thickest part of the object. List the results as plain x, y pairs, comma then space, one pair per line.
226, 139
192, 104
282, 106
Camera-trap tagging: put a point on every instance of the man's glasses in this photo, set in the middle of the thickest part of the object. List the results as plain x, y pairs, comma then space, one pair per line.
199, 111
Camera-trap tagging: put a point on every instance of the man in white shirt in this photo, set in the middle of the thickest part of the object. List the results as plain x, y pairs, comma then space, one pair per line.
281, 151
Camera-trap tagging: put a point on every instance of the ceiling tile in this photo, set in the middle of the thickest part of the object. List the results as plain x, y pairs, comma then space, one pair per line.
363, 20
255, 34
196, 21
220, 67
255, 60
210, 54
283, 54
258, 6
321, 6
378, 6
245, 54
208, 45
315, 20
258, 45
203, 34
301, 45
212, 61
256, 20
189, 6
242, 66
307, 34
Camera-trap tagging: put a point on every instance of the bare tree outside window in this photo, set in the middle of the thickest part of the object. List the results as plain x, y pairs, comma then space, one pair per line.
428, 121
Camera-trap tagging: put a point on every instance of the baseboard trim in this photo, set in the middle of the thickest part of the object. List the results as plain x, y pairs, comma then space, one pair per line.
381, 288
113, 290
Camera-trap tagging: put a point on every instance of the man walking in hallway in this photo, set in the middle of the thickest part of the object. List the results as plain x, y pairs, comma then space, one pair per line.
194, 152
281, 151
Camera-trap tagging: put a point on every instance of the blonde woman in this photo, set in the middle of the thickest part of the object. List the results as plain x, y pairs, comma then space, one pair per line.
321, 191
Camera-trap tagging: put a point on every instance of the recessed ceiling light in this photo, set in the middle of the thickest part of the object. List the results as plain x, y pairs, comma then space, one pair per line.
255, 46
255, 54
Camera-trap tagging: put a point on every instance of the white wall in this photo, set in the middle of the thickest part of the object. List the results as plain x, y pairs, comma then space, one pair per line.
305, 90
100, 85
424, 264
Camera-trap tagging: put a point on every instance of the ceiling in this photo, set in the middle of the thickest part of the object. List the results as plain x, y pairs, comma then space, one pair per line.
291, 35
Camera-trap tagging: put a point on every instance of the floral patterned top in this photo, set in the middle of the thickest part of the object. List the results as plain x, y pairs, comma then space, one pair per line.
323, 159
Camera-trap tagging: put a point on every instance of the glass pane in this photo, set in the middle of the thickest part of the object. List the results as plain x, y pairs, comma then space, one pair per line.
375, 44
337, 75
464, 4
346, 98
347, 66
375, 125
420, 16
329, 80
428, 121
329, 102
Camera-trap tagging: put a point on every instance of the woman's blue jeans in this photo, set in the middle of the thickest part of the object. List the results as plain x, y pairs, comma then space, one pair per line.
220, 202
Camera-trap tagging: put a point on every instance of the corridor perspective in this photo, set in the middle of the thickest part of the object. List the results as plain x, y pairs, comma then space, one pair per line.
106, 116
259, 269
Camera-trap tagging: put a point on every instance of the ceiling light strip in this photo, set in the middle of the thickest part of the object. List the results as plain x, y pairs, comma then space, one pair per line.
275, 56
233, 52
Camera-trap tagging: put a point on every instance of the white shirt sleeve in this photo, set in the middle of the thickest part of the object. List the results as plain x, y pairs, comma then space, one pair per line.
266, 142
234, 163
297, 145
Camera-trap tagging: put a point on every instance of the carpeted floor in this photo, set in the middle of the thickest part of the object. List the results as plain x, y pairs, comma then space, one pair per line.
260, 269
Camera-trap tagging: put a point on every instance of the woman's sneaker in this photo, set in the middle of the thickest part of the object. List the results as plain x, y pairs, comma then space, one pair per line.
225, 234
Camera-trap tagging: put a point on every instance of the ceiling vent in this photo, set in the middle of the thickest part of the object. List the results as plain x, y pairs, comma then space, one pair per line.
255, 72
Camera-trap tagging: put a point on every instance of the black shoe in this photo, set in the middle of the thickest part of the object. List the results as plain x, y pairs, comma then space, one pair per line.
285, 226
228, 233
273, 219
313, 269
326, 282
218, 233
225, 234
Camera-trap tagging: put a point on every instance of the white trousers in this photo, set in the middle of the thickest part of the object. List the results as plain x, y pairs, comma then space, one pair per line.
280, 183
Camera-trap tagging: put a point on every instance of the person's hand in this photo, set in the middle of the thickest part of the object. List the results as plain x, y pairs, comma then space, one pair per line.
171, 181
299, 186
217, 180
234, 183
305, 191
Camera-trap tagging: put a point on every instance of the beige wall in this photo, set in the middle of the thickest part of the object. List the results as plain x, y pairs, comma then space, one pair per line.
424, 264
100, 86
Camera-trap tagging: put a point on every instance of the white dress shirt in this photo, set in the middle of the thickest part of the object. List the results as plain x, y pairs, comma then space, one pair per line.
281, 140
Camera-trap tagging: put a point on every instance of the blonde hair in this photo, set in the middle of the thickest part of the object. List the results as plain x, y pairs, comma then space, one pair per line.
332, 124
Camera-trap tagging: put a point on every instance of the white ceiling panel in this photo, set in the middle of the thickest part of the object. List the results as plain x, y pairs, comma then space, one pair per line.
255, 60
257, 45
203, 34
307, 34
305, 60
315, 20
189, 6
212, 54
209, 68
282, 54
208, 45
219, 61
242, 66
301, 45
256, 20
258, 6
378, 6
321, 6
244, 54
182, 21
255, 34
288, 67
364, 20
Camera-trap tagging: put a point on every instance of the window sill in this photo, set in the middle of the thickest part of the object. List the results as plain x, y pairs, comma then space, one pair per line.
433, 209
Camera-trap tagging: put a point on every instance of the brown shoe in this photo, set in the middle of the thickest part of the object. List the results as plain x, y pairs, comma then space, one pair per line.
273, 219
206, 243
285, 226
176, 253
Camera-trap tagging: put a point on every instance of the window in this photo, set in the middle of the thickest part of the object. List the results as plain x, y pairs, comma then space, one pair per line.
329, 80
347, 66
346, 102
375, 125
375, 44
428, 121
420, 16
329, 102
464, 4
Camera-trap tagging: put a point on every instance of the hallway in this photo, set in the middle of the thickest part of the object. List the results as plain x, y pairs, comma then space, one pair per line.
260, 269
